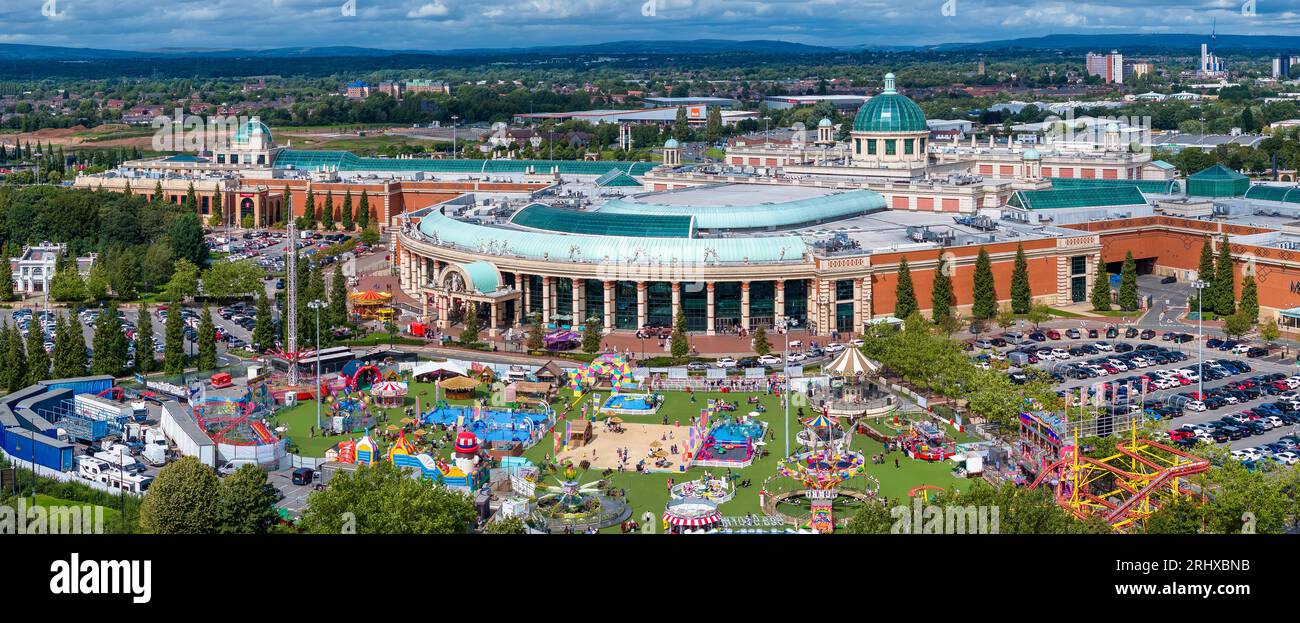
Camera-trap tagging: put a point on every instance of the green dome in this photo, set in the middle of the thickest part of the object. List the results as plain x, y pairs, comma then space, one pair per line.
671, 144
250, 128
890, 112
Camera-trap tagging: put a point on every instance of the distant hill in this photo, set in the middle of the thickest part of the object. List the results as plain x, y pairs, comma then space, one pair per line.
1189, 42
10, 51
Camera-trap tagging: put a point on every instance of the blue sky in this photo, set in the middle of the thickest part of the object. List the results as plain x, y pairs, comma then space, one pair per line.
445, 24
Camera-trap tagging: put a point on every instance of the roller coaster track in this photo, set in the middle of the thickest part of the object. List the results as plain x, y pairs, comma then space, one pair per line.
1159, 465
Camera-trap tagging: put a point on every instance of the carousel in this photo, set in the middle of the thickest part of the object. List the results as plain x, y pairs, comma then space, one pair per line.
389, 394
853, 391
372, 304
691, 516
822, 431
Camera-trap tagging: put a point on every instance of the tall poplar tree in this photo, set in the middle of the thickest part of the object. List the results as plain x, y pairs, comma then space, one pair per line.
1021, 294
984, 292
904, 292
941, 292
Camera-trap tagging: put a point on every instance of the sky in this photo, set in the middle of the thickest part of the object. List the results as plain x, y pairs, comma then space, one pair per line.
451, 24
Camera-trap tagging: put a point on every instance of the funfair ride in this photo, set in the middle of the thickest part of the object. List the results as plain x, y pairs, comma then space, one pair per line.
1124, 488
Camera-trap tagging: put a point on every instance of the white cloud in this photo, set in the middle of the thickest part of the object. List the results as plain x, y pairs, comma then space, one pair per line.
431, 9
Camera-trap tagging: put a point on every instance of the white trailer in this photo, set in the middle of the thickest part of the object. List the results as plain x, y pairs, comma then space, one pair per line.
179, 425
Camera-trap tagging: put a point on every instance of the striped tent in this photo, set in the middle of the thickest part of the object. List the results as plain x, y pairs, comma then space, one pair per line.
852, 363
820, 421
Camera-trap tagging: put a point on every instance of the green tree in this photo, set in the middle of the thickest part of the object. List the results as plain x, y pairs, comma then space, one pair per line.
1005, 318
679, 344
38, 361
174, 342
1021, 295
469, 335
15, 368
1237, 325
383, 499
68, 285
207, 338
338, 309
1128, 286
124, 275
941, 291
761, 345
363, 212
309, 211
904, 293
6, 280
873, 518
246, 502
327, 213
185, 498
1205, 272
591, 335
984, 291
97, 283
109, 344
1181, 515
264, 327
232, 279
348, 222
1225, 288
369, 236
184, 282
1249, 305
187, 240
1038, 314
713, 128
681, 126
216, 215
1101, 289
510, 525
535, 335
1269, 331
144, 343
69, 348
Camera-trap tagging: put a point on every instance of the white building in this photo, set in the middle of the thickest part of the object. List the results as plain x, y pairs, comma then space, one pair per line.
34, 270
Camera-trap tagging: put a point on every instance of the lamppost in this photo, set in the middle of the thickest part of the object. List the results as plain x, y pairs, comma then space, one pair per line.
453, 135
784, 324
317, 304
1200, 337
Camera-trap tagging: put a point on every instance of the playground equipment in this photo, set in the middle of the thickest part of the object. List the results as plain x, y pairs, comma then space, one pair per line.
465, 474
614, 367
365, 451
493, 424
1124, 488
691, 516
926, 442
820, 479
360, 375
632, 404
371, 304
237, 427
821, 431
350, 411
715, 490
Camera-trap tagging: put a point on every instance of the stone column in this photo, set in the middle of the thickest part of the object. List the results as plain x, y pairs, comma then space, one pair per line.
867, 312
404, 275
858, 308
641, 304
744, 304
493, 330
778, 301
708, 306
609, 306
677, 301
548, 292
522, 286
579, 291
444, 312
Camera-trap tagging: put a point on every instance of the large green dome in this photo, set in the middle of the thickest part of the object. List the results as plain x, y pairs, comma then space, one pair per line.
251, 128
890, 112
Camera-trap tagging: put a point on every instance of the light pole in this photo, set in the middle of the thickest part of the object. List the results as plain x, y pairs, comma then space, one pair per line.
784, 324
453, 135
1200, 337
317, 304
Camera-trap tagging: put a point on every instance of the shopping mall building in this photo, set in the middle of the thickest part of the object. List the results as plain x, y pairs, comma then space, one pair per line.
809, 231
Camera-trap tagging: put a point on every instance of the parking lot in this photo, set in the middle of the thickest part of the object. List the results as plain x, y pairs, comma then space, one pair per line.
1104, 365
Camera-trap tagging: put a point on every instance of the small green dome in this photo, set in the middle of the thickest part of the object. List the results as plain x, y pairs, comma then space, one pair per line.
670, 143
824, 123
890, 112
252, 127
1031, 154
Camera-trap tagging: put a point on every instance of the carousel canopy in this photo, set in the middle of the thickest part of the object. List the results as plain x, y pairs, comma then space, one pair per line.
820, 421
388, 389
852, 363
370, 297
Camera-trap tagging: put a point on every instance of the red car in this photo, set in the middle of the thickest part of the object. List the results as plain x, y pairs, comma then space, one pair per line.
1053, 334
1177, 434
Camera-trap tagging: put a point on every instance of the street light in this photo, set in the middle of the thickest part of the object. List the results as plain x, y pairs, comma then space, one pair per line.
1200, 337
453, 135
317, 304
784, 324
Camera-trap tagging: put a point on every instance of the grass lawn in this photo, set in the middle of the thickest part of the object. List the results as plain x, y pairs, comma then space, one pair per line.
112, 516
648, 493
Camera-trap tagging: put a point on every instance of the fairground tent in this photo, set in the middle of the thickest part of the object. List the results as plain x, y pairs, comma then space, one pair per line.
852, 363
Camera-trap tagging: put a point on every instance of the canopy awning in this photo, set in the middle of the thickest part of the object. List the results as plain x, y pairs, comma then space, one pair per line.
438, 367
852, 363
692, 522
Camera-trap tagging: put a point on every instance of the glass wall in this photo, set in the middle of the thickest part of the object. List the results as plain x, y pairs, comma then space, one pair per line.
659, 304
695, 300
762, 304
595, 300
726, 305
534, 283
625, 305
563, 308
844, 317
796, 300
